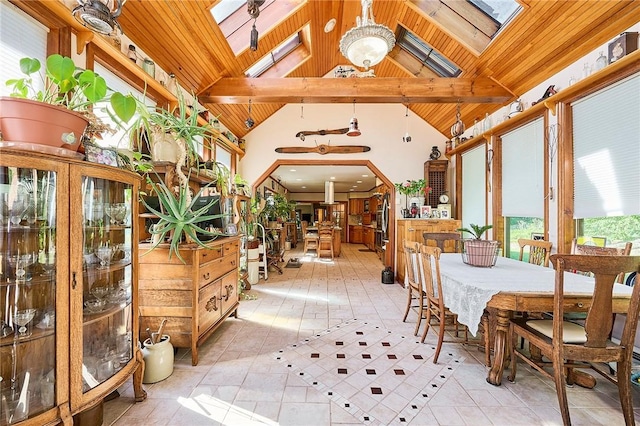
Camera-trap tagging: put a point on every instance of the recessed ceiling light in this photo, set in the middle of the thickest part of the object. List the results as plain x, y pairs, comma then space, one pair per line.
351, 189
365, 175
303, 187
354, 186
330, 25
358, 181
298, 179
293, 170
332, 178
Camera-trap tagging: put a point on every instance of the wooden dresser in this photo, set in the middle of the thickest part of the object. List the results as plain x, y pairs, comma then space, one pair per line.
412, 230
194, 297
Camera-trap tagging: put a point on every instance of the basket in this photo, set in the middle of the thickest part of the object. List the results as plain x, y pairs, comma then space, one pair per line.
481, 253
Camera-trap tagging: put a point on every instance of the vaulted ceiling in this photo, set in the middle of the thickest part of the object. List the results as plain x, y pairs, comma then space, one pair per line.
546, 36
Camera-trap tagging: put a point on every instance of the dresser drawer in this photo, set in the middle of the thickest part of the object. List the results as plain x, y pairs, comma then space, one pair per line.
231, 247
207, 255
209, 306
216, 268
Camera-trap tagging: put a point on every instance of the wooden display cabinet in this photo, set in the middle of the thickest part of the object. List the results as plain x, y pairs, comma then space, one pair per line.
68, 285
435, 175
412, 230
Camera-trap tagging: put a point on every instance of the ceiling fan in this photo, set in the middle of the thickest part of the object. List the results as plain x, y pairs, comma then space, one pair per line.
324, 149
304, 133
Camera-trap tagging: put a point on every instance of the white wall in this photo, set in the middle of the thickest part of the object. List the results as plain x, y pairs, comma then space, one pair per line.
382, 127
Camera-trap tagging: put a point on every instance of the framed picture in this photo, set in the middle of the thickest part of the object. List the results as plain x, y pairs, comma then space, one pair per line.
268, 192
100, 155
537, 236
231, 229
444, 214
435, 213
425, 212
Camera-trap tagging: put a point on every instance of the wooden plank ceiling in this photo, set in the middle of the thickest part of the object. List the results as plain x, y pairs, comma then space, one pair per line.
546, 36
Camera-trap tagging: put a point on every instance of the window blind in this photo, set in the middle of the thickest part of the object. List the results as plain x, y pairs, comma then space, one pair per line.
474, 183
20, 36
606, 143
523, 171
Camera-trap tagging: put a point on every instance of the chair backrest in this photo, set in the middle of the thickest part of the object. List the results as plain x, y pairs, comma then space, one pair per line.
431, 280
599, 320
325, 230
303, 226
539, 251
601, 251
412, 272
441, 239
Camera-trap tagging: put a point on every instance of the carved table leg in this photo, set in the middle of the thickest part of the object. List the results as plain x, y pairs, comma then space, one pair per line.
499, 347
139, 392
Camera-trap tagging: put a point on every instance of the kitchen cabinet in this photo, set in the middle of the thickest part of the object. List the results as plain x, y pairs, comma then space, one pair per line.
368, 237
356, 206
412, 230
195, 296
355, 234
68, 285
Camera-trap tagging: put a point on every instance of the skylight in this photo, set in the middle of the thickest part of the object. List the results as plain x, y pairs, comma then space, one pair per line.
274, 56
226, 8
426, 54
501, 11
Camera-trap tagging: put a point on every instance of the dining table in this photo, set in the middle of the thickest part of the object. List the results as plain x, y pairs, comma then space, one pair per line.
511, 286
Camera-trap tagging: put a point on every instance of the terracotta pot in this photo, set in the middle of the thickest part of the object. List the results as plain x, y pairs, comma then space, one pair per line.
23, 120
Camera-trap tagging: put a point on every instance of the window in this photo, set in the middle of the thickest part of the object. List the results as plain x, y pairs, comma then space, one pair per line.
474, 183
226, 8
501, 11
223, 156
20, 36
118, 139
274, 56
606, 142
426, 54
523, 184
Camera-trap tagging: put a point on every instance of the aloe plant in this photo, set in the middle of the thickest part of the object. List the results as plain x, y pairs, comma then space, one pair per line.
476, 230
178, 217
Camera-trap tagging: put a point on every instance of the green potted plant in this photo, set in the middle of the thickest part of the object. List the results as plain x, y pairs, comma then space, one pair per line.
58, 114
178, 217
476, 251
276, 209
241, 185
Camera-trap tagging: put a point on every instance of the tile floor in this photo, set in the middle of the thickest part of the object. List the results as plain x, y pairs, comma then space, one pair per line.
324, 345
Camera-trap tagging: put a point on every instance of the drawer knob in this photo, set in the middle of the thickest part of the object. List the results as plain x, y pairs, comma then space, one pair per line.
211, 305
206, 276
229, 290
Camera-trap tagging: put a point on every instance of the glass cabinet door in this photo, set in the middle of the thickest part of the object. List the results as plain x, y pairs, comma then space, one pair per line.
107, 240
28, 273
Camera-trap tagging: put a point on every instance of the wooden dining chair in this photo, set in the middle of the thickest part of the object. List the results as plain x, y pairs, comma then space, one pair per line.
569, 345
415, 293
601, 251
436, 309
310, 239
539, 251
448, 242
325, 239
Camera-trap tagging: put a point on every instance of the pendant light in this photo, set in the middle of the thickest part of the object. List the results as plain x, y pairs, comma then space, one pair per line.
249, 121
353, 124
407, 136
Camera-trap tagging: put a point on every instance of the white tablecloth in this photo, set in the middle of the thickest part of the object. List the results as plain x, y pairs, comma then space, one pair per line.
467, 289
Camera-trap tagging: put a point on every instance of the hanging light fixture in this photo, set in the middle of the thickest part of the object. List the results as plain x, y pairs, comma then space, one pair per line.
366, 44
99, 15
249, 121
407, 136
458, 127
353, 124
329, 192
253, 8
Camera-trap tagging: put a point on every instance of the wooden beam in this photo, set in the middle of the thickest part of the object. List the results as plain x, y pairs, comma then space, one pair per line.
361, 90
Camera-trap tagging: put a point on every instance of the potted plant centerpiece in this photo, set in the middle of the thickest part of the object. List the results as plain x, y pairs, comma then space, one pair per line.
476, 251
414, 192
58, 114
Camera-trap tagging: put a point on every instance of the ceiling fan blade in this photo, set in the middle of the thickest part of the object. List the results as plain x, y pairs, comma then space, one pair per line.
324, 149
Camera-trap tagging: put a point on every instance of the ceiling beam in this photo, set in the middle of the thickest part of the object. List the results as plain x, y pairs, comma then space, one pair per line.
361, 90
